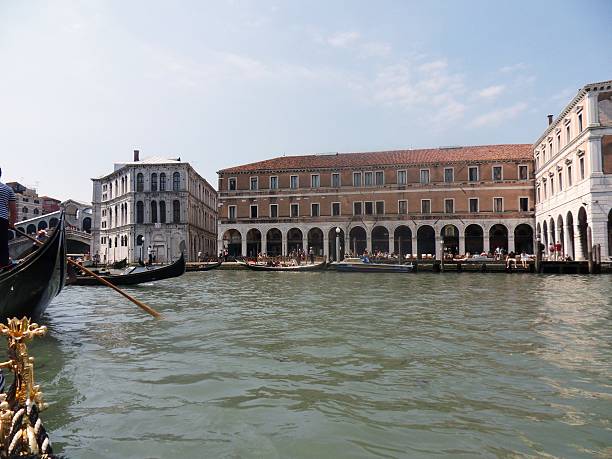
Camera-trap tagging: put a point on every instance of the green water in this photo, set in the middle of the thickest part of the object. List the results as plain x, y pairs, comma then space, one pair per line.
332, 365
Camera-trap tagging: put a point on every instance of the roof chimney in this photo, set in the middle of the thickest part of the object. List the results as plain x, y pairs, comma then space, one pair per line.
137, 155
550, 118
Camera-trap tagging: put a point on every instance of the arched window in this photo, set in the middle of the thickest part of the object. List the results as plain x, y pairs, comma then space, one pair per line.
110, 242
153, 212
176, 181
176, 211
162, 182
153, 181
162, 211
24, 210
139, 212
36, 212
139, 182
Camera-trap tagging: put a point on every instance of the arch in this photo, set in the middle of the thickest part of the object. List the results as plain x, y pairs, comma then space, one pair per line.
551, 229
176, 211
358, 240
153, 211
295, 240
36, 211
31, 229
545, 236
42, 225
53, 222
154, 181
450, 239
139, 182
498, 237
22, 229
474, 239
380, 239
332, 235
232, 240
582, 232
315, 240
162, 182
176, 181
253, 239
561, 233
162, 211
24, 210
523, 238
569, 227
274, 242
86, 226
402, 240
426, 240
139, 212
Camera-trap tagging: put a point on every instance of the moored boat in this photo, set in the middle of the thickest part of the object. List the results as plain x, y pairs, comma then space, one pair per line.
27, 289
289, 268
361, 265
191, 267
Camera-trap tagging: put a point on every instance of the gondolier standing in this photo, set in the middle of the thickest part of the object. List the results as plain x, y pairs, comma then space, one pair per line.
8, 213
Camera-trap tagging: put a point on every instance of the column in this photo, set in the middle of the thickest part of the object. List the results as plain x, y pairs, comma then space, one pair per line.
567, 243
438, 240
415, 249
264, 242
511, 242
305, 242
392, 247
592, 110
561, 239
599, 228
244, 246
369, 240
283, 243
485, 241
577, 244
595, 154
462, 243
219, 244
326, 245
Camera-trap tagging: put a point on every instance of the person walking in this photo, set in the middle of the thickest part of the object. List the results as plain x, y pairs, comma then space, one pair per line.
8, 215
150, 254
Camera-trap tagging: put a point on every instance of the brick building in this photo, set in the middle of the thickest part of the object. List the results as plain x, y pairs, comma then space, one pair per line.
460, 199
29, 205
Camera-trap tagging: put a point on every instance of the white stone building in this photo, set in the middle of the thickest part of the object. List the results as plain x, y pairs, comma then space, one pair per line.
162, 203
29, 205
573, 163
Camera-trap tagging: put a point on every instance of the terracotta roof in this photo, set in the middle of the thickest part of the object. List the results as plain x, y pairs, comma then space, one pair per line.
521, 152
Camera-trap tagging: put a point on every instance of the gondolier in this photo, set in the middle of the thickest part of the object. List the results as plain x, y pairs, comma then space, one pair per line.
8, 214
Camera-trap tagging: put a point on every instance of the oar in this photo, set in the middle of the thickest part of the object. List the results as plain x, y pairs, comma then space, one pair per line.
138, 303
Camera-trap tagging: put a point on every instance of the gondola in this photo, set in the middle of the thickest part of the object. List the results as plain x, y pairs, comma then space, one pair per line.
306, 267
358, 265
27, 289
136, 276
202, 266
121, 264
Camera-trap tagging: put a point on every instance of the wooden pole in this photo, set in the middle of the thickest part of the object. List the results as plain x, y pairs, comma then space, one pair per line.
138, 303
590, 249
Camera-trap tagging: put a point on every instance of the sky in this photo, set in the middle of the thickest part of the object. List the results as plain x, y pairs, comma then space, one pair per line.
223, 83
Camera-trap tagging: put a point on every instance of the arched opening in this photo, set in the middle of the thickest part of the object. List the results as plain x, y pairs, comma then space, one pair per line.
153, 181
232, 240
162, 211
498, 237
332, 243
42, 225
139, 182
561, 234
569, 227
474, 239
153, 211
523, 238
402, 241
176, 181
253, 242
380, 239
358, 240
139, 212
162, 182
426, 240
86, 225
582, 232
274, 242
545, 236
610, 233
295, 240
315, 240
450, 238
31, 229
53, 222
176, 211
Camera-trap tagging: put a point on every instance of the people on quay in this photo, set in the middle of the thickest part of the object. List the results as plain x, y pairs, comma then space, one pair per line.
150, 255
8, 216
551, 251
558, 251
524, 259
511, 260
311, 255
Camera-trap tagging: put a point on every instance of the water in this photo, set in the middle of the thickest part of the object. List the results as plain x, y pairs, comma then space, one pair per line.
332, 365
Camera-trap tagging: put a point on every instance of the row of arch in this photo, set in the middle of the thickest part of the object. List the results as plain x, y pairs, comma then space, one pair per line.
402, 242
43, 225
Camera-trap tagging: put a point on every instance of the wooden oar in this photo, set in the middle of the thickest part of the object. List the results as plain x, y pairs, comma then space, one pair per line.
138, 303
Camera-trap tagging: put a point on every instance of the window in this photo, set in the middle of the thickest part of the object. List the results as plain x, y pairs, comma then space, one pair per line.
335, 209
538, 195
498, 204
544, 153
567, 134
162, 211
315, 210
162, 182
523, 172
295, 210
380, 207
380, 177
274, 182
402, 207
273, 210
473, 174
356, 208
537, 162
545, 191
231, 184
139, 212
24, 210
176, 181
497, 173
551, 149
425, 206
474, 205
449, 206
581, 163
368, 208
139, 182
315, 181
401, 178
176, 211
552, 186
254, 211
356, 178
153, 181
558, 143
524, 203
580, 122
424, 175
560, 181
254, 183
569, 175
293, 182
153, 212
336, 180
36, 212
449, 175
367, 178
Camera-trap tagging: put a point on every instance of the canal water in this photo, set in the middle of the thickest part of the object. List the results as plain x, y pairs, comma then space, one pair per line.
332, 365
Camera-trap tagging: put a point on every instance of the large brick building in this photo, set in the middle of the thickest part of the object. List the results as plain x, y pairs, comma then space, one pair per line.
460, 199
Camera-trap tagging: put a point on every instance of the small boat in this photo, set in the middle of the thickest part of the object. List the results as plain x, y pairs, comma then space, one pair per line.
191, 267
270, 267
27, 289
121, 264
134, 275
363, 265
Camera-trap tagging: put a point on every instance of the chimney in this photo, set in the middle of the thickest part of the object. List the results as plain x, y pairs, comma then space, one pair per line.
550, 118
137, 155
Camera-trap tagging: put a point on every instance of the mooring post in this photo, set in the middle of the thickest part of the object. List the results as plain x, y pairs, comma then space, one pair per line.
590, 249
538, 260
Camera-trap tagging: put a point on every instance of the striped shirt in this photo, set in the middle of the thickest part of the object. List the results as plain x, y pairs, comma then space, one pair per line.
6, 195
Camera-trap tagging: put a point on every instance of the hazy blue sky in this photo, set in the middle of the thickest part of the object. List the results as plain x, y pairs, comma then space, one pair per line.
228, 82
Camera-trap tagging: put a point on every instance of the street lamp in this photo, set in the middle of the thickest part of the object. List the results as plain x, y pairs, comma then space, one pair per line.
338, 243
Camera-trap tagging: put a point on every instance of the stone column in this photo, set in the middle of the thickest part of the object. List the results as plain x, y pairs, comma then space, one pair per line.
415, 249
595, 158
438, 242
264, 242
577, 244
599, 229
305, 242
392, 244
567, 243
511, 242
485, 241
284, 243
326, 245
561, 232
244, 246
369, 240
462, 243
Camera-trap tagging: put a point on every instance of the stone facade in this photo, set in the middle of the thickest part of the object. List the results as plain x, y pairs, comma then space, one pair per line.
460, 199
29, 205
162, 203
573, 159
